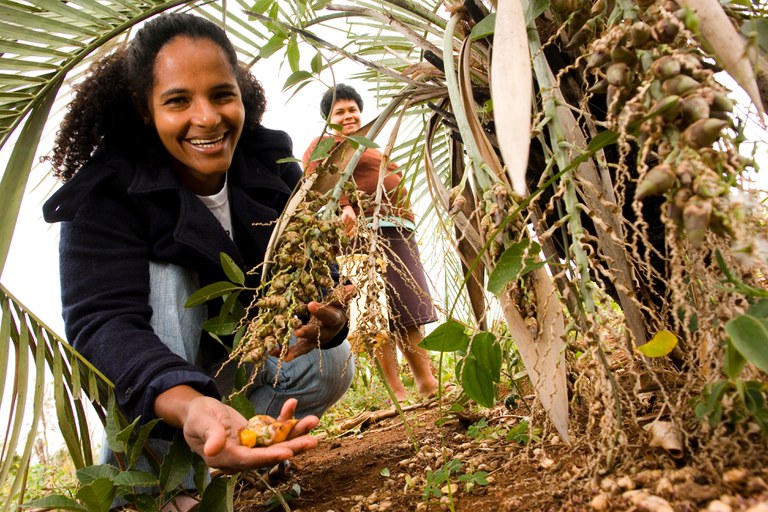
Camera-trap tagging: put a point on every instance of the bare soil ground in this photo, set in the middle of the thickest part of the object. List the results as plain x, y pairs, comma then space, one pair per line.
378, 467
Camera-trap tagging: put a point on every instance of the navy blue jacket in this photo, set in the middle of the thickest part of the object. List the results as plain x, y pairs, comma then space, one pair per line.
121, 211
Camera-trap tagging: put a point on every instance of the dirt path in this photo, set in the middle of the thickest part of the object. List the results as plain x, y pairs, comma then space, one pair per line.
378, 469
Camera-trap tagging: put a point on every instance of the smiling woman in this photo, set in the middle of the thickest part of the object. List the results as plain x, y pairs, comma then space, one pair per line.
167, 166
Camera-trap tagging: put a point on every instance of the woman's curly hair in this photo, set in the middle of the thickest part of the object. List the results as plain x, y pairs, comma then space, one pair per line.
104, 112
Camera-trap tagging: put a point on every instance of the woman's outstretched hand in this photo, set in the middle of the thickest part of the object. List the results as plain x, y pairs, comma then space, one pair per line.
211, 430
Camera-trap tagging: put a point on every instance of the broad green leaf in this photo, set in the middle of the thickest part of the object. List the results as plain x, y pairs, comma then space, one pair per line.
200, 469
176, 465
209, 292
448, 337
90, 474
484, 28
662, 343
231, 269
221, 326
515, 262
136, 447
219, 495
135, 479
750, 337
295, 78
240, 403
232, 307
275, 43
316, 64
733, 361
55, 502
293, 54
357, 140
759, 309
487, 353
477, 382
322, 150
97, 495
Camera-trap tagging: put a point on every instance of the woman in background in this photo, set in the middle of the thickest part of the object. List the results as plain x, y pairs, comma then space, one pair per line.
408, 297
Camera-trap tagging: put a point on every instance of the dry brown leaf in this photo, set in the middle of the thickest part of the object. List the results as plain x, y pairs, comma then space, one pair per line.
511, 90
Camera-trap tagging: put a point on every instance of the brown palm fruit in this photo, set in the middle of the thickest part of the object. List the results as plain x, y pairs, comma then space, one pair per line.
665, 67
668, 107
665, 31
264, 430
694, 108
600, 56
696, 217
618, 74
656, 181
680, 85
621, 53
703, 133
677, 205
640, 34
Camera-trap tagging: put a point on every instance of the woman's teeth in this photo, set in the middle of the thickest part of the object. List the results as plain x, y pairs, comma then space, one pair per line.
206, 142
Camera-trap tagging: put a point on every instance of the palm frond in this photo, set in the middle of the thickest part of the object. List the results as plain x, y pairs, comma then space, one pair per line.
38, 357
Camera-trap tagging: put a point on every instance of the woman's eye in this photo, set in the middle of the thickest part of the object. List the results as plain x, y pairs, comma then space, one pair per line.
178, 100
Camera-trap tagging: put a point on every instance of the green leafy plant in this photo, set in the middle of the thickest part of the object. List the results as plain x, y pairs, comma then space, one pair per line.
523, 433
438, 478
747, 343
478, 368
470, 480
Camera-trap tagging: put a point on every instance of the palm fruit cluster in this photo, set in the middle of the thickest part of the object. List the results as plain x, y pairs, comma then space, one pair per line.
661, 92
264, 430
300, 273
581, 19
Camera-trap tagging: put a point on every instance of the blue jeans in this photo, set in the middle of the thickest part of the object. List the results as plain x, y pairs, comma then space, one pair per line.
317, 379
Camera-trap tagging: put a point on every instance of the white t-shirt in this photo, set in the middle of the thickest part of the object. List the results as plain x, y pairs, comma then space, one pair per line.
218, 204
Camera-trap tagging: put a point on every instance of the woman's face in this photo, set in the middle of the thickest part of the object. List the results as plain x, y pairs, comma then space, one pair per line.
196, 108
346, 114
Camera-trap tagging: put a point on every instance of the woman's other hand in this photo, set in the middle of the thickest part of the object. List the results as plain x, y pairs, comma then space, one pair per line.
325, 322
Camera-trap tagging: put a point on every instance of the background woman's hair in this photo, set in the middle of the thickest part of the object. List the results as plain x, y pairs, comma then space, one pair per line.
104, 110
340, 92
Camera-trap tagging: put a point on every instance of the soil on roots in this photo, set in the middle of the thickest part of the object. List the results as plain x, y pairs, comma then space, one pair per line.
379, 467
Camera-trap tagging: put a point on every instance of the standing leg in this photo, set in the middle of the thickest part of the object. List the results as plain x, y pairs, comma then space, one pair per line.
418, 360
386, 354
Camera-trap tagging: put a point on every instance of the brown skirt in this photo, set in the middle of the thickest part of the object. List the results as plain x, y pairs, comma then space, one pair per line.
407, 289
